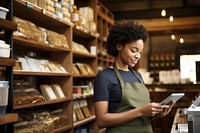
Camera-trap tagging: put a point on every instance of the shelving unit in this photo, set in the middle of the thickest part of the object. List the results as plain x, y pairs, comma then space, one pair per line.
64, 56
8, 118
6, 25
105, 19
85, 121
59, 54
159, 62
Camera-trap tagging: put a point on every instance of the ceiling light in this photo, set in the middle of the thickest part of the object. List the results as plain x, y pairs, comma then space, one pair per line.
163, 13
173, 37
171, 18
181, 40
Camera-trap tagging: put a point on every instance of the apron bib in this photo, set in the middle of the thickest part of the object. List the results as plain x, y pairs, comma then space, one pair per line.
133, 95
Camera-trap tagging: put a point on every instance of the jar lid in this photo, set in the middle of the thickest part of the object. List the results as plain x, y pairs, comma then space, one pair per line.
4, 83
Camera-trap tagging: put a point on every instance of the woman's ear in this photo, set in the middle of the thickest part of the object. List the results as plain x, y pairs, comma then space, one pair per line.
119, 47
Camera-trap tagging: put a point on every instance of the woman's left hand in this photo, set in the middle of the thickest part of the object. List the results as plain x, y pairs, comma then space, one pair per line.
166, 109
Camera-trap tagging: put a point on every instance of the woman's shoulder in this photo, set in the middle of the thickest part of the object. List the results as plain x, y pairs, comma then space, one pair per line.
106, 73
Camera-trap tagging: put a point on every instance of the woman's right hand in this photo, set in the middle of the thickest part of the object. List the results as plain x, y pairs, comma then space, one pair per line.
152, 109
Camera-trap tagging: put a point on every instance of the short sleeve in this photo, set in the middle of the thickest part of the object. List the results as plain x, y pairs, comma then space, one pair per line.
102, 87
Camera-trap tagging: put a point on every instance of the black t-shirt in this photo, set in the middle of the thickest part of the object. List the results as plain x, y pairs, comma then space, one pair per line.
107, 86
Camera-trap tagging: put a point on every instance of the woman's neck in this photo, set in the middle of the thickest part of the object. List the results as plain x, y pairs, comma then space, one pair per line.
120, 65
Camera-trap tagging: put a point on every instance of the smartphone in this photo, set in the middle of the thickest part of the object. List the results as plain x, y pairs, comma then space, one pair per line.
172, 98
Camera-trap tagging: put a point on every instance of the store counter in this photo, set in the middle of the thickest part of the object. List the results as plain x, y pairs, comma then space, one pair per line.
180, 123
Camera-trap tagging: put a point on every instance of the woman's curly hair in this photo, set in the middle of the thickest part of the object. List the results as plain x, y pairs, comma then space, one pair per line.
123, 33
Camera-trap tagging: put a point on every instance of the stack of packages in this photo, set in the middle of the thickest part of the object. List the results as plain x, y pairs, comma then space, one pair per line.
42, 121
81, 110
88, 23
29, 30
82, 17
59, 8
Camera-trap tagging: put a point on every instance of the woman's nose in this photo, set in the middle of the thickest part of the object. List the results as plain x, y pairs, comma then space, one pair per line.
137, 55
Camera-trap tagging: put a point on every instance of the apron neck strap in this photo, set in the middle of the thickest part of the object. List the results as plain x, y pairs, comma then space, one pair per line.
120, 77
118, 74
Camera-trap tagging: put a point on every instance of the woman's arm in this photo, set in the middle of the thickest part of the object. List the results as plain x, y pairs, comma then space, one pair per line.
105, 119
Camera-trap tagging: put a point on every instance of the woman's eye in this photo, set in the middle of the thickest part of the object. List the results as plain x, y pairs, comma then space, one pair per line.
134, 50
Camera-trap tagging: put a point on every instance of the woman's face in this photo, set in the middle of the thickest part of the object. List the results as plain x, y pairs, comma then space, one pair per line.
131, 52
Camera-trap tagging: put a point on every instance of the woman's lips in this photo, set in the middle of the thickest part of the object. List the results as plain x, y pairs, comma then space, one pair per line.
134, 61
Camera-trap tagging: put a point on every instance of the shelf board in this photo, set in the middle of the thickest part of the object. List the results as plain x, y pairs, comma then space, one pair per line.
43, 19
86, 120
77, 97
106, 18
35, 73
7, 25
8, 118
41, 103
7, 61
84, 76
102, 39
77, 33
106, 60
38, 45
61, 129
174, 85
83, 55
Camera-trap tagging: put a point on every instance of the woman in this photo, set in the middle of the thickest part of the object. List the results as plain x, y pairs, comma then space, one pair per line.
122, 102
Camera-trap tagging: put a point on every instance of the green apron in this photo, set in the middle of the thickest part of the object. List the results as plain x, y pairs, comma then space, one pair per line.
133, 95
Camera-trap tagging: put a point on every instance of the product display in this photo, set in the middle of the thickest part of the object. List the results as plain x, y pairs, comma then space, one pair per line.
23, 127
83, 105
46, 121
30, 31
48, 92
82, 90
82, 69
79, 48
36, 126
23, 29
3, 12
27, 95
39, 65
4, 86
4, 49
78, 111
75, 70
58, 91
89, 69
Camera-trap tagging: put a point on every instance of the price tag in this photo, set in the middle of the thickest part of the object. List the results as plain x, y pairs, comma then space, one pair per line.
29, 5
51, 45
43, 11
54, 16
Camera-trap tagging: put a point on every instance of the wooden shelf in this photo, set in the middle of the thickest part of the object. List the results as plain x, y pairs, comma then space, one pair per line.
38, 45
107, 60
7, 25
61, 129
32, 13
78, 33
109, 20
7, 61
83, 55
79, 123
105, 19
104, 13
8, 118
34, 73
82, 96
41, 103
175, 86
84, 76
